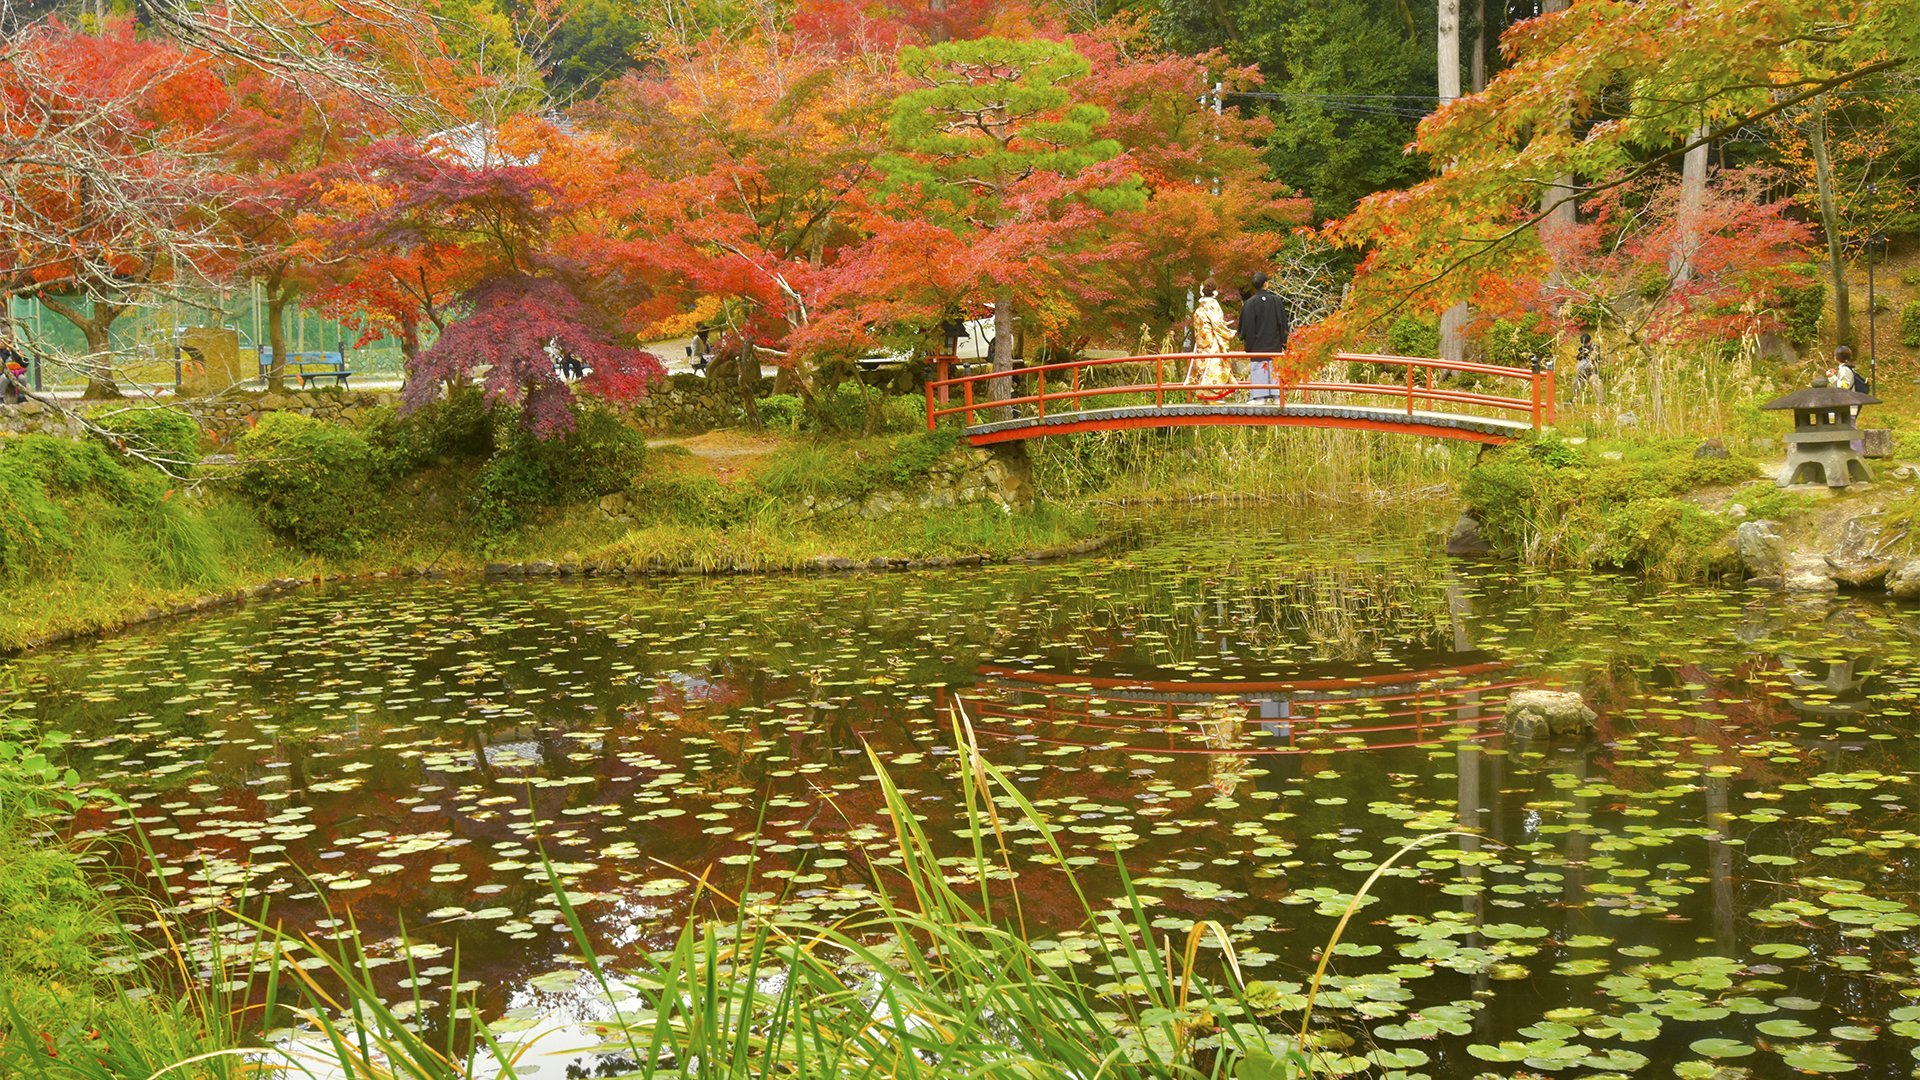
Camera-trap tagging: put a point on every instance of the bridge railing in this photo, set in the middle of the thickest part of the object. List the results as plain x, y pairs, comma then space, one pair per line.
1062, 388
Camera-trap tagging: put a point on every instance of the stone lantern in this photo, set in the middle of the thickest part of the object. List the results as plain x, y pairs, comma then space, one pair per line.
1822, 439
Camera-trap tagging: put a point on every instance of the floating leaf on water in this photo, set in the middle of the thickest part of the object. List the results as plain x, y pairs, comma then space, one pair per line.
1784, 1029
1720, 1048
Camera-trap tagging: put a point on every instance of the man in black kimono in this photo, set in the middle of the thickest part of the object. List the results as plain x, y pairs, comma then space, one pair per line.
1263, 326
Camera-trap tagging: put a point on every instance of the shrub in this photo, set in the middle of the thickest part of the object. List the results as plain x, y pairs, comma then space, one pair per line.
1910, 325
310, 481
459, 427
1801, 308
780, 410
1567, 509
1413, 337
167, 434
598, 457
843, 411
1512, 343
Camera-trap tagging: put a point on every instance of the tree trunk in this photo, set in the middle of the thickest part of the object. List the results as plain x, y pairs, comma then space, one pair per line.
277, 329
1453, 336
1693, 192
97, 329
1830, 222
1557, 202
1477, 60
747, 378
1452, 324
1002, 389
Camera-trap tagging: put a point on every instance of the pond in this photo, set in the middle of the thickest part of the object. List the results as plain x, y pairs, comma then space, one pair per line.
1249, 710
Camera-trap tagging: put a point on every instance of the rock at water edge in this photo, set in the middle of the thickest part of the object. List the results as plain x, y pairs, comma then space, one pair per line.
1762, 549
1465, 538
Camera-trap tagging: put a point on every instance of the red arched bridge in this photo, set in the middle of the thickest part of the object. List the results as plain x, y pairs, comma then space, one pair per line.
1115, 393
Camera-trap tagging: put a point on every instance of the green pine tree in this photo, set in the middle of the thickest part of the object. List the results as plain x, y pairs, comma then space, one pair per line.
988, 116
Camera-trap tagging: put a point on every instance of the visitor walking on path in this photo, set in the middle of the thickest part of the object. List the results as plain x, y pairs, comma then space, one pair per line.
1263, 326
13, 375
1211, 337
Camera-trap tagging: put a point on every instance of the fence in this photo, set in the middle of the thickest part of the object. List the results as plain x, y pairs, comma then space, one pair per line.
142, 339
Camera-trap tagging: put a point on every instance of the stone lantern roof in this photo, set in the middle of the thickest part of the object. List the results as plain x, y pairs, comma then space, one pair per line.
1822, 396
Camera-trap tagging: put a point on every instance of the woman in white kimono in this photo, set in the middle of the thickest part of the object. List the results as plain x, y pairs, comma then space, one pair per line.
1211, 335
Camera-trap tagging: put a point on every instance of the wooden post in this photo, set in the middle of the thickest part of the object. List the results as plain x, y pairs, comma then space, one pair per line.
1076, 386
1040, 377
930, 403
1159, 382
1535, 382
945, 374
1410, 389
968, 387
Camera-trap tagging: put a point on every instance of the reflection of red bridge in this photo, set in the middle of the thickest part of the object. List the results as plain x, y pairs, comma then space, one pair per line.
1053, 399
1370, 710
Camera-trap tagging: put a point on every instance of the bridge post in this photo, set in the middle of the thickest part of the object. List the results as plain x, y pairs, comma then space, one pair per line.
1159, 382
929, 389
945, 374
1536, 393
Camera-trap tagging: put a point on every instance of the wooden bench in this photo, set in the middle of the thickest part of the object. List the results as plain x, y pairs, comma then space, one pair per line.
308, 366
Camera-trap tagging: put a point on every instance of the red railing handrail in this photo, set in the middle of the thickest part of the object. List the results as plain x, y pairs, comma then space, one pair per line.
1539, 403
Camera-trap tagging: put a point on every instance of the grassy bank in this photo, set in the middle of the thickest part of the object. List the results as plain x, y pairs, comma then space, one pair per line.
1651, 507
91, 537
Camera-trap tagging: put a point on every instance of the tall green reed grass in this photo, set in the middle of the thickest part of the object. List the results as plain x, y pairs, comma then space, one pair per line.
1230, 463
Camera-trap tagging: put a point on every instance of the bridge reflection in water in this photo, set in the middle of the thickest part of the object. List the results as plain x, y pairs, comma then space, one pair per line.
1235, 716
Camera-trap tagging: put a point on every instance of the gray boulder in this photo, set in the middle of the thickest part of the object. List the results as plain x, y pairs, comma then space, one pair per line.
1808, 574
1713, 448
1762, 549
1465, 539
1547, 713
1861, 557
1876, 442
1903, 581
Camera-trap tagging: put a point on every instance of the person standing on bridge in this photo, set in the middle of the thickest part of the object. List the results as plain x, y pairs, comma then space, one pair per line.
1211, 337
1263, 326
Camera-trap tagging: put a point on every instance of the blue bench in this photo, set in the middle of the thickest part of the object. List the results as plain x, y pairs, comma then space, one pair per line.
308, 366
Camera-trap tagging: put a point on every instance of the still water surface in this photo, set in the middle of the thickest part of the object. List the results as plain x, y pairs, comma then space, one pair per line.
1251, 710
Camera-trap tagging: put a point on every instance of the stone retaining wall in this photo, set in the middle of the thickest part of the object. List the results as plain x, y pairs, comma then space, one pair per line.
689, 403
224, 417
967, 476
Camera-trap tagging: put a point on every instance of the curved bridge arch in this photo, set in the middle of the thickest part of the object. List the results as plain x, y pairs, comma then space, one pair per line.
1054, 399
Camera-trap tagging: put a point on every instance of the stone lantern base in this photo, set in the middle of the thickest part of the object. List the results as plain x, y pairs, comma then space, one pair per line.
1811, 454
